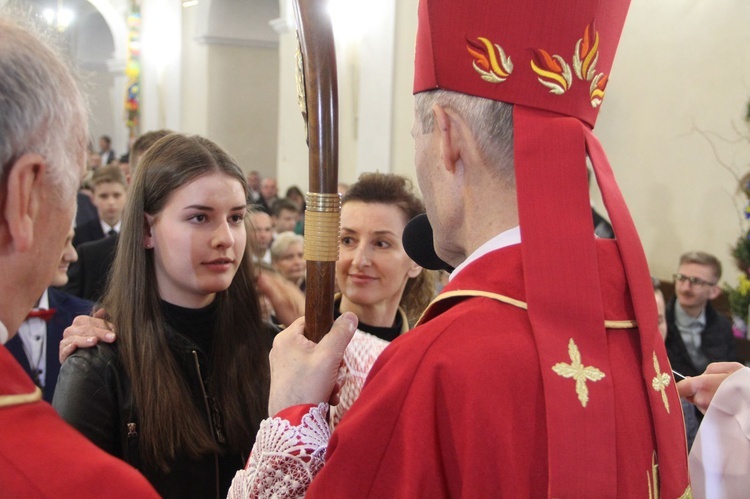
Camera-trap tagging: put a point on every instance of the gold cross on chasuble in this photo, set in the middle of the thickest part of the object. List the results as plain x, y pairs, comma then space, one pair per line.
661, 382
578, 372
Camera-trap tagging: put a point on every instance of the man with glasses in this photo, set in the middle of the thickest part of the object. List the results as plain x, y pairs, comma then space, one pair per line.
697, 334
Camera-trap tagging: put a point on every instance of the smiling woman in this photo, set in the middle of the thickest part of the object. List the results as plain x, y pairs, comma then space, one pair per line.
378, 281
181, 393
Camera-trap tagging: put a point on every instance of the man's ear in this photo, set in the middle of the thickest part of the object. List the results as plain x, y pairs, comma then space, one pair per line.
449, 129
24, 199
715, 292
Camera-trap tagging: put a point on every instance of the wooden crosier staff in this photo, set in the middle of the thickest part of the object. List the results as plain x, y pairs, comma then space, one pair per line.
319, 101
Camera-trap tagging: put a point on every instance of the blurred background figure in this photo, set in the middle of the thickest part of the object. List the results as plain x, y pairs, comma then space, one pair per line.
269, 193
261, 236
697, 334
36, 344
253, 186
294, 194
106, 153
287, 257
110, 193
689, 412
284, 215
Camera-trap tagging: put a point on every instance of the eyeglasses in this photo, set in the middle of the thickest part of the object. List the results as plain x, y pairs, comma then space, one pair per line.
694, 281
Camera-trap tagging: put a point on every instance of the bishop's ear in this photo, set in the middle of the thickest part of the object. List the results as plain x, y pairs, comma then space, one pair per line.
448, 125
25, 200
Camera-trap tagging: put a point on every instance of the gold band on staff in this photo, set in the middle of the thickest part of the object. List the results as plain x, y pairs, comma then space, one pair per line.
322, 226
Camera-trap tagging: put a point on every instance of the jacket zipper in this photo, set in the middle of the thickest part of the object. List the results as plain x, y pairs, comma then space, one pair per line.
210, 420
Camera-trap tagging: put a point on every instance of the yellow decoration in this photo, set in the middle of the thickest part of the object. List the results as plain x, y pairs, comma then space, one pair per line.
578, 372
22, 398
653, 482
661, 382
653, 479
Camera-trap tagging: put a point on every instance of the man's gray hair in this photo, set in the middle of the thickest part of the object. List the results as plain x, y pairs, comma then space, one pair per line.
41, 107
490, 121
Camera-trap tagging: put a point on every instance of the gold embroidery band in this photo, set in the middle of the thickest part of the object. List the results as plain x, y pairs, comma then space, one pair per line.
620, 324
626, 324
20, 399
322, 225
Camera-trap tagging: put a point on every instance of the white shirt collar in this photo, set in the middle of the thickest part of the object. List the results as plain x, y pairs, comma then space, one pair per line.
44, 300
502, 240
3, 333
106, 227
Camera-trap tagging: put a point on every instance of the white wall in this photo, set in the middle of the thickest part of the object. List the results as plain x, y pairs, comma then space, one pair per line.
681, 67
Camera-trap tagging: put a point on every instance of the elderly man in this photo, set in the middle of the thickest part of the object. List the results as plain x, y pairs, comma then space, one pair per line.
42, 153
539, 370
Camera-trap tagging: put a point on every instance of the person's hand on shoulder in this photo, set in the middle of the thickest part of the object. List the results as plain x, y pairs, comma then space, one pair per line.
303, 372
86, 331
700, 390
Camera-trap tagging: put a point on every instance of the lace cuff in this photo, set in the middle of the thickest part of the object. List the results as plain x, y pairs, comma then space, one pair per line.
285, 458
362, 352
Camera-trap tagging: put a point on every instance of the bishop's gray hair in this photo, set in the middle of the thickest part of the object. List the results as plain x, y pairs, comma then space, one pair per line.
490, 121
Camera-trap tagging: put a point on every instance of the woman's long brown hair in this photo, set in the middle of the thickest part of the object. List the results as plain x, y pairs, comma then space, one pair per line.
170, 423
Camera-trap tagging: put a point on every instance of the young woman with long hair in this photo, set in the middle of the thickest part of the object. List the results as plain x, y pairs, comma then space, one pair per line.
181, 393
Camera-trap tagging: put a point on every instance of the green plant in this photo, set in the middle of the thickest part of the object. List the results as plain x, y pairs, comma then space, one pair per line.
739, 297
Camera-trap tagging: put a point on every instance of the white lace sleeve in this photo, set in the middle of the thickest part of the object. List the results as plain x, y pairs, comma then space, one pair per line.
360, 355
285, 458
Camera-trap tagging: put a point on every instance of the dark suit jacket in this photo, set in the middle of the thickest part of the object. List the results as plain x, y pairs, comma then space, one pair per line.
87, 278
86, 211
67, 307
717, 341
90, 231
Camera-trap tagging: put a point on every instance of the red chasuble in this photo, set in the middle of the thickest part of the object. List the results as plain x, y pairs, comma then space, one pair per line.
456, 407
41, 456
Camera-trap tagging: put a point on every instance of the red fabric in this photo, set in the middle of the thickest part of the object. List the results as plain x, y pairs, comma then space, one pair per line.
449, 49
672, 447
577, 315
295, 413
455, 408
41, 456
45, 314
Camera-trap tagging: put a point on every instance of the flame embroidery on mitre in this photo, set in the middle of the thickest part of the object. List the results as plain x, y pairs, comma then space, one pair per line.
554, 73
586, 54
584, 62
495, 67
598, 84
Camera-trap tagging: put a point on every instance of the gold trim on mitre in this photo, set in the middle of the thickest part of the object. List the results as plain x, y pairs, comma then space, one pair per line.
21, 398
625, 324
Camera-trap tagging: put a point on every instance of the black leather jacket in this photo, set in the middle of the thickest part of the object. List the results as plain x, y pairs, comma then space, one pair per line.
95, 396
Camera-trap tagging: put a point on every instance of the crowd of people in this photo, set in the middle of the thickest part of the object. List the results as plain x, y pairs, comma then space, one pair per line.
175, 308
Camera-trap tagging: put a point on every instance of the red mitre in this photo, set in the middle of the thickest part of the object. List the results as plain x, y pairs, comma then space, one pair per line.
552, 59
